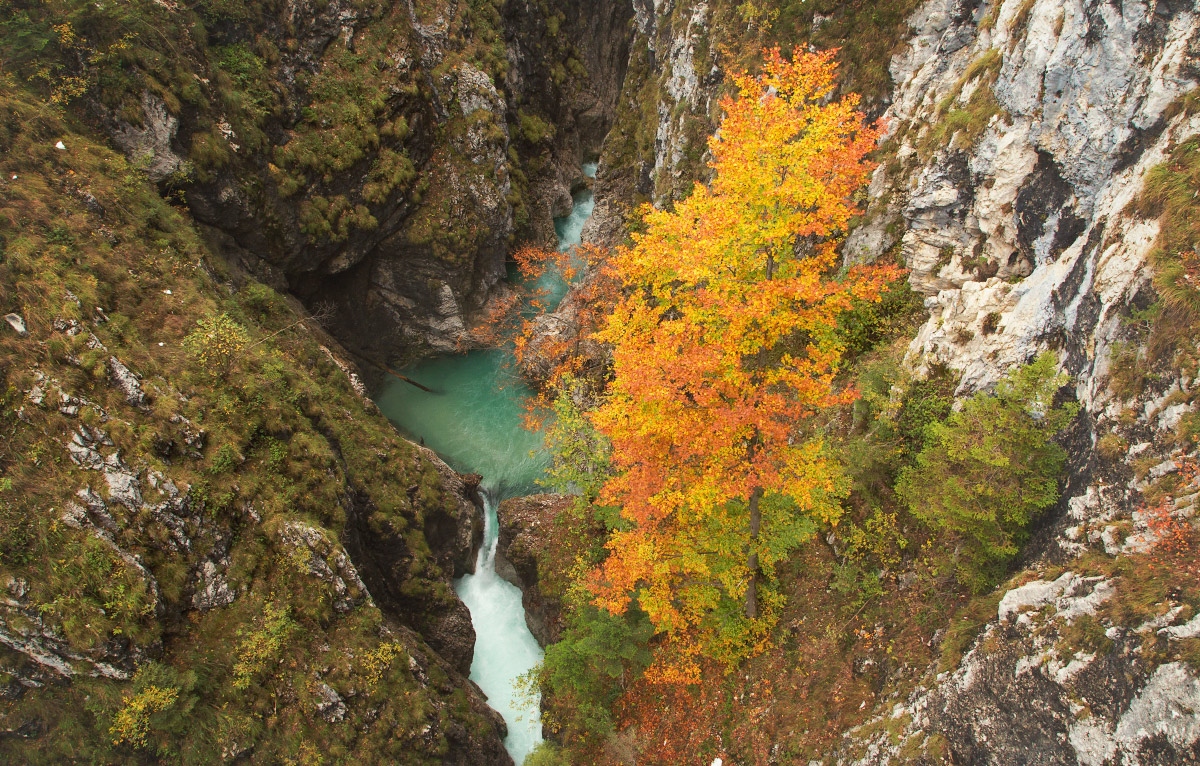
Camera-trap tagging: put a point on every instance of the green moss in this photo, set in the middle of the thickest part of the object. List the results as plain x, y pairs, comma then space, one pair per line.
287, 440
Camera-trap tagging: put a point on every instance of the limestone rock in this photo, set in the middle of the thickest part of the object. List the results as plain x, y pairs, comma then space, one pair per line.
1022, 694
125, 380
320, 557
212, 588
150, 143
455, 529
1022, 240
331, 707
17, 323
552, 336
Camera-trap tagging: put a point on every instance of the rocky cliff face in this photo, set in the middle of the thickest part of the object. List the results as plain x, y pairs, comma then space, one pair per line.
664, 116
1047, 683
526, 526
1022, 132
386, 201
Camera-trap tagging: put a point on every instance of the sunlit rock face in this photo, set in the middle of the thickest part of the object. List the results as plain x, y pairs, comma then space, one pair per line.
1023, 132
1036, 246
1027, 219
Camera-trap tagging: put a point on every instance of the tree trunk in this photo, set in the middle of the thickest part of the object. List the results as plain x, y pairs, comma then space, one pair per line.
752, 557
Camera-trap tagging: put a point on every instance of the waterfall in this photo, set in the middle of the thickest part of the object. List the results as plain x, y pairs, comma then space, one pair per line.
504, 648
474, 421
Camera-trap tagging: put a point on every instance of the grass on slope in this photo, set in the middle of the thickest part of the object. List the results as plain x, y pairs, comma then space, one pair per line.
100, 267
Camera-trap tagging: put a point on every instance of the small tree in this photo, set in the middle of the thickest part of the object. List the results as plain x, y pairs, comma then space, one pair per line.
990, 469
216, 342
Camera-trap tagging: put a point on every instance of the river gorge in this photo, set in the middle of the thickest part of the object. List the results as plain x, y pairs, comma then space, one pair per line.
473, 419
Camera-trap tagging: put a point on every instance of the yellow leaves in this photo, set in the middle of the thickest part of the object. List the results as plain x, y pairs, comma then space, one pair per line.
724, 345
261, 649
215, 342
66, 35
377, 661
132, 722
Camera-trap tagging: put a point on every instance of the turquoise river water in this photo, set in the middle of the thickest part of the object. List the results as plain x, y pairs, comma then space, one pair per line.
474, 422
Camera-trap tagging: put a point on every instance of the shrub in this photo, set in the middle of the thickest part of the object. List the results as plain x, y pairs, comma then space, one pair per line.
871, 324
1169, 195
989, 469
216, 342
391, 170
585, 672
261, 649
546, 754
534, 129
133, 721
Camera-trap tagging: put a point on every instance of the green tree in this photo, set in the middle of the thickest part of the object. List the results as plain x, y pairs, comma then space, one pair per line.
989, 470
585, 672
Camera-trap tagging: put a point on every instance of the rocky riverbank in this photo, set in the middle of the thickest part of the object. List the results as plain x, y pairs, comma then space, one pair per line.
526, 532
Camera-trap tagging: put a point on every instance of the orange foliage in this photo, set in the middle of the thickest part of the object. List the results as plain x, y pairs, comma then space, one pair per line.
1175, 540
505, 316
724, 347
593, 293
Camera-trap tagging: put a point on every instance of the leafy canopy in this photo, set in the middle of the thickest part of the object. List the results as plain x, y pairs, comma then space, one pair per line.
725, 344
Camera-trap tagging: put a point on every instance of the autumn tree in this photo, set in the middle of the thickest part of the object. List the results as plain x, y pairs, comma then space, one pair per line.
725, 346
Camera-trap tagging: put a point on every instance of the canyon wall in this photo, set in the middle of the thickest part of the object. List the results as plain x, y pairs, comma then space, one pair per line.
379, 160
1021, 135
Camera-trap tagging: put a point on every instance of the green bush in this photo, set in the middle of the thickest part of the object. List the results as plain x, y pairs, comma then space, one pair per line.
871, 324
990, 469
584, 673
260, 650
534, 129
546, 754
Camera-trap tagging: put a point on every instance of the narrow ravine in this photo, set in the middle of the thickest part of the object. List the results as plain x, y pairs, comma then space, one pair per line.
474, 421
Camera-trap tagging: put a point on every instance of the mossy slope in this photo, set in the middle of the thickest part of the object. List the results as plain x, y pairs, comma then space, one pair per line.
173, 510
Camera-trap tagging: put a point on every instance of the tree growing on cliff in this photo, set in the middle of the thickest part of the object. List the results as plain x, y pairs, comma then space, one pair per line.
725, 345
989, 469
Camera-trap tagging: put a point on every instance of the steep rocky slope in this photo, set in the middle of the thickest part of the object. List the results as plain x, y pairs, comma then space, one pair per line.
213, 547
526, 526
375, 159
1022, 135
221, 521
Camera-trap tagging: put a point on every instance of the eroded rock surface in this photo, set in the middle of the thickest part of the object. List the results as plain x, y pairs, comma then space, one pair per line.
526, 526
1028, 692
1020, 232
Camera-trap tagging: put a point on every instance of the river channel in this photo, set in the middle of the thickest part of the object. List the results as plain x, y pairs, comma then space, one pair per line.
474, 421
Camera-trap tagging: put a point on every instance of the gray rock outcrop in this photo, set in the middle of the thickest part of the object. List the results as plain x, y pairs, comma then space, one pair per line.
1028, 693
526, 527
